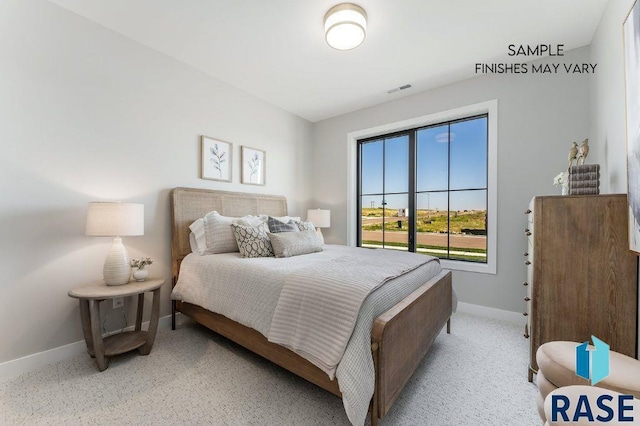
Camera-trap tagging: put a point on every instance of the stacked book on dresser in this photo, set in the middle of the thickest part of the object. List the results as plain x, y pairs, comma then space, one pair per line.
584, 179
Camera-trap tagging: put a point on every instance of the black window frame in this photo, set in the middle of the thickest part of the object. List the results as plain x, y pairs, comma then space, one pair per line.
412, 184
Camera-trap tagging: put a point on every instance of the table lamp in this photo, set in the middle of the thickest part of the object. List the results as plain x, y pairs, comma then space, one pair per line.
320, 219
115, 219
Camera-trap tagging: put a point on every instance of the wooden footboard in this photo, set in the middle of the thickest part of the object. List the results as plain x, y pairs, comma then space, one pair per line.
402, 336
400, 339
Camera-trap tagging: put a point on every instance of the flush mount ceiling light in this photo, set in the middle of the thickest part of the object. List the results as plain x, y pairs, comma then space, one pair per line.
345, 26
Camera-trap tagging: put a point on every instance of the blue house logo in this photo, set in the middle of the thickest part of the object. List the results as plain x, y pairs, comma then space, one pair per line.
593, 364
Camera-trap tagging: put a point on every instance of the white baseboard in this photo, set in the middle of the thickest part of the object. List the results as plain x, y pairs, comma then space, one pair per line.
29, 363
485, 311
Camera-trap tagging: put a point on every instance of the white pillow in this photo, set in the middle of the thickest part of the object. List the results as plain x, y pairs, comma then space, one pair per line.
213, 233
193, 243
197, 230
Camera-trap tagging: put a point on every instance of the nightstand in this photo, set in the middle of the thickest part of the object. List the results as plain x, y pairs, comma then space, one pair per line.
92, 294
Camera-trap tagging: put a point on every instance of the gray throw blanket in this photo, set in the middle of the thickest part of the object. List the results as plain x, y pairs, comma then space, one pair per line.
318, 307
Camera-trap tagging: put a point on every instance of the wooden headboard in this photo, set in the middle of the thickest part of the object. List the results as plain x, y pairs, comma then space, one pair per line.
189, 204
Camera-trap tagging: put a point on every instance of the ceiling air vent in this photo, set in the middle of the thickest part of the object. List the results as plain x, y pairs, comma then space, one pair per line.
397, 89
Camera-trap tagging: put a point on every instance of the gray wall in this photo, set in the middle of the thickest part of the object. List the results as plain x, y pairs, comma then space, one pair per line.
86, 114
607, 112
608, 121
538, 117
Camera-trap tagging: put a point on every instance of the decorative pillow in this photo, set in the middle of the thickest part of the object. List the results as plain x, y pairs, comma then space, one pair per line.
305, 226
287, 244
277, 226
253, 240
218, 234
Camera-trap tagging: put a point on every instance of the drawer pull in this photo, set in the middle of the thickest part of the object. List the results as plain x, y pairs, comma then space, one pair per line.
527, 263
526, 254
527, 211
527, 233
526, 331
526, 299
525, 314
525, 283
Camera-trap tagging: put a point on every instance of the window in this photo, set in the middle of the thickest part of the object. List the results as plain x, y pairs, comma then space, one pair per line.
430, 189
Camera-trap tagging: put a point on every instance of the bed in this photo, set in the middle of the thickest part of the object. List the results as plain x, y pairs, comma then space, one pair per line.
400, 336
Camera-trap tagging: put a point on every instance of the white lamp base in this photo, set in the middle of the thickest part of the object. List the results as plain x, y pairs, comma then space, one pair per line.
117, 265
319, 232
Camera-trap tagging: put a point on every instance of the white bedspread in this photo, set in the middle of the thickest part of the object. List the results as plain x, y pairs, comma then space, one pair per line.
319, 305
247, 291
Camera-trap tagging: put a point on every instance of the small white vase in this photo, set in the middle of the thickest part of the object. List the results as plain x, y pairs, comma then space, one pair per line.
140, 274
565, 189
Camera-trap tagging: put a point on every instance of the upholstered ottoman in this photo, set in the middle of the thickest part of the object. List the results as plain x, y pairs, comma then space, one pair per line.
592, 393
557, 368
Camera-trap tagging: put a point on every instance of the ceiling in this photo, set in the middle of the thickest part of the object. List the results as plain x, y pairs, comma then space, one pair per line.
275, 49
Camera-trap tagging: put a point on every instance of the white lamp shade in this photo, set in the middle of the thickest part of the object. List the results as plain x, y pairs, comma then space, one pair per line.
345, 26
111, 219
319, 218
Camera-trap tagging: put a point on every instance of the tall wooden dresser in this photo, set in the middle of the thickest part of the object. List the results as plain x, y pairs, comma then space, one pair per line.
581, 278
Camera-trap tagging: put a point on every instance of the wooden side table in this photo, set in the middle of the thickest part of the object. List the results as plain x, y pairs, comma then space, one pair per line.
90, 297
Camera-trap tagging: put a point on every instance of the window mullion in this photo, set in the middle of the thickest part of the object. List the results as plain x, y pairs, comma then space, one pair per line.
384, 194
412, 192
449, 191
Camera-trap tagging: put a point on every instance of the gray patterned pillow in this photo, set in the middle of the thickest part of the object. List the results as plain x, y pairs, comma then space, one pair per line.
253, 240
287, 244
276, 225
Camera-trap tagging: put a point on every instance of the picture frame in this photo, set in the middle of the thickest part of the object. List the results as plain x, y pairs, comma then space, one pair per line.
216, 159
631, 30
253, 170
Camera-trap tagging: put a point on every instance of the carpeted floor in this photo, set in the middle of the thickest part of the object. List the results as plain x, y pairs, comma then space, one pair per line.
475, 376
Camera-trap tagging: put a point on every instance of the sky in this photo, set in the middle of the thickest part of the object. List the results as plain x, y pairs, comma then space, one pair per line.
468, 167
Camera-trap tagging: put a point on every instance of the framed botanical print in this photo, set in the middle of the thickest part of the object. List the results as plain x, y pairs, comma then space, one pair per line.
631, 29
253, 166
216, 159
